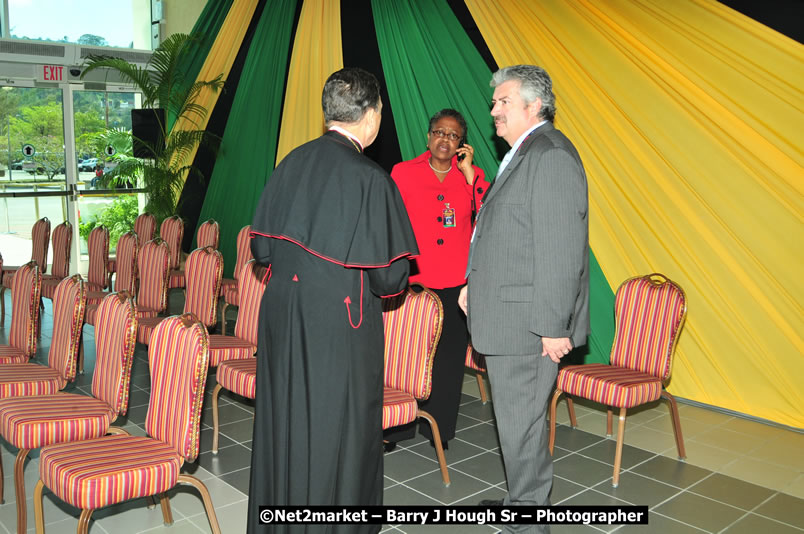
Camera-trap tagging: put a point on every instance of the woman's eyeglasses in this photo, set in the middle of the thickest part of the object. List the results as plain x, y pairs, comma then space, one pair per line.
442, 134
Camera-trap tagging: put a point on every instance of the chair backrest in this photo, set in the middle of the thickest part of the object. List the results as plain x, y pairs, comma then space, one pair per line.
40, 241
178, 355
474, 360
243, 249
412, 330
172, 232
128, 247
153, 270
62, 239
204, 271
649, 312
250, 288
69, 305
145, 227
98, 248
209, 234
115, 339
25, 298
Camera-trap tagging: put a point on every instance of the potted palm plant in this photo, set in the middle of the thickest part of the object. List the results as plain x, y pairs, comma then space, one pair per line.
164, 85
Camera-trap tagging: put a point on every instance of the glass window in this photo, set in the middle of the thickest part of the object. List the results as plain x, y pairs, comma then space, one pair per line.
121, 23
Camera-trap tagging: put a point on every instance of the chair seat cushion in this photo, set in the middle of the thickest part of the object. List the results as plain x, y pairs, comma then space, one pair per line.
398, 408
609, 385
146, 327
93, 287
238, 376
223, 348
24, 379
230, 295
98, 472
9, 354
33, 422
95, 297
176, 279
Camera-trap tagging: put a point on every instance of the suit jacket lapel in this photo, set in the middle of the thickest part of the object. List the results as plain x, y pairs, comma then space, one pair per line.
516, 160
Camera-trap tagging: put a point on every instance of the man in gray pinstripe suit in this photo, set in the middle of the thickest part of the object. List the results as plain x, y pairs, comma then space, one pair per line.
527, 295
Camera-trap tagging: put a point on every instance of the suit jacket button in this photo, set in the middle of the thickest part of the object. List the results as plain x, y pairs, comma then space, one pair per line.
438, 219
440, 241
440, 197
480, 190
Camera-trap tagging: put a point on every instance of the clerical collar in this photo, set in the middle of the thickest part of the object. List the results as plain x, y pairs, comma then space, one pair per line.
348, 135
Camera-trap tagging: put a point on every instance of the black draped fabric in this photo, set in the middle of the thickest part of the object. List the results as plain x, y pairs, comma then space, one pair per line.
333, 228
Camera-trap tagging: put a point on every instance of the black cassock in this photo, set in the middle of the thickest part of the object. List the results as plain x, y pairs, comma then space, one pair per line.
333, 228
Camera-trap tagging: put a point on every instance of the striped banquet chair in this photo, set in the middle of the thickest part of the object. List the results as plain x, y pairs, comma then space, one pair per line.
25, 299
234, 355
40, 240
208, 235
98, 250
204, 273
100, 472
229, 285
62, 241
152, 271
412, 329
145, 228
649, 313
34, 380
33, 422
172, 232
127, 249
477, 362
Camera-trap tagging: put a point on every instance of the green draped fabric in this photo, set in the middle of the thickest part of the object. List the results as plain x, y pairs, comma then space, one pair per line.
429, 64
248, 151
206, 30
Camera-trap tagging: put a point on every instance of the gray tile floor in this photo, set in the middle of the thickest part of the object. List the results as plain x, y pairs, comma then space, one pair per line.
683, 497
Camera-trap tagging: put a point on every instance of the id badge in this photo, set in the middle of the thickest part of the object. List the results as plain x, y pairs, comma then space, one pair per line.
448, 215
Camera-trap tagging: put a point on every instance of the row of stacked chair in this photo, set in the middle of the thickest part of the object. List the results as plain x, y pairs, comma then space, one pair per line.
113, 465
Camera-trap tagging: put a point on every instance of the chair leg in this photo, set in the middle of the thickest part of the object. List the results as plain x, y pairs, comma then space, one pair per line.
38, 513
482, 387
81, 352
83, 521
167, 514
223, 317
2, 301
442, 461
215, 393
571, 410
2, 489
608, 421
682, 453
553, 403
618, 456
19, 488
202, 489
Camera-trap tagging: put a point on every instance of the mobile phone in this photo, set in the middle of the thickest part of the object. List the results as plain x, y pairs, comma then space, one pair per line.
461, 156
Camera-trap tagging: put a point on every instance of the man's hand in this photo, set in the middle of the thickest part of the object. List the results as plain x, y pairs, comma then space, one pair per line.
555, 347
462, 299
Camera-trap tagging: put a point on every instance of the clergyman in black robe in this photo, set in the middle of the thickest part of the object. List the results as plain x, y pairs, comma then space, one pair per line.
332, 226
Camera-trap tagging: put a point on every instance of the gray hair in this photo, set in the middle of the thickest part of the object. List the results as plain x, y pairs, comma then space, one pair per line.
534, 83
348, 94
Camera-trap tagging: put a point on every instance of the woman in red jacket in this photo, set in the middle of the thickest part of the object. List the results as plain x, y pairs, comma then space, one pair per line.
442, 190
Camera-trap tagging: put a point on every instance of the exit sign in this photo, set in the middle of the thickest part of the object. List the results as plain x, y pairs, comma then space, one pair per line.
52, 73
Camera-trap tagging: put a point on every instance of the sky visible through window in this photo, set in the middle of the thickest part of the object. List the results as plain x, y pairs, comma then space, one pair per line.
93, 22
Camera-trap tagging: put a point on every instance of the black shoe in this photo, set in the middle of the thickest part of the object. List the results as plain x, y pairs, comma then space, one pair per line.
388, 446
491, 502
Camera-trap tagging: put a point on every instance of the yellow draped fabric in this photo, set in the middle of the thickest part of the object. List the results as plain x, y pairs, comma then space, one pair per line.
317, 53
688, 117
219, 61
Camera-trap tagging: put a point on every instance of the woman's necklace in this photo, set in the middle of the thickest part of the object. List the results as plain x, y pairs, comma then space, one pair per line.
436, 170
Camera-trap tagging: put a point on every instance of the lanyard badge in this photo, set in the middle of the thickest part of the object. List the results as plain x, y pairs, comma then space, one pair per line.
448, 215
